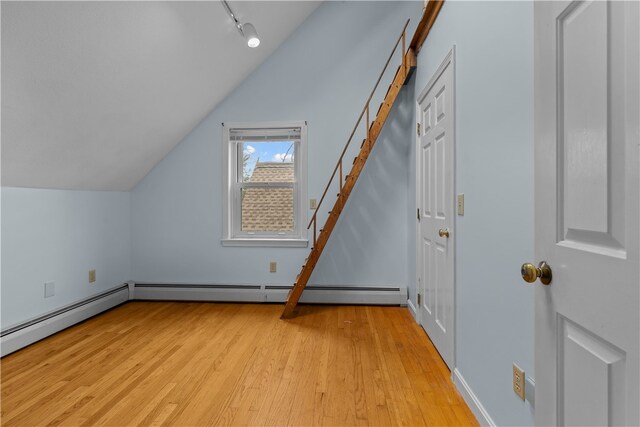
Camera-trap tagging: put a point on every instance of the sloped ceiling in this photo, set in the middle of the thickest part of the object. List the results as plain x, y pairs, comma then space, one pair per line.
94, 94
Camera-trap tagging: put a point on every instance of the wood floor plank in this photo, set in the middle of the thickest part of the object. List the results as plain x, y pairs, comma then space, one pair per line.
166, 363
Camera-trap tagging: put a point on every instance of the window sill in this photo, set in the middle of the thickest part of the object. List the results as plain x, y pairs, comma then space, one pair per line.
281, 243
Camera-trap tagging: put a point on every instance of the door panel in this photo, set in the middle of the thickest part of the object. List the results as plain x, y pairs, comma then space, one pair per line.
441, 179
435, 199
592, 385
587, 136
427, 256
440, 286
426, 180
582, 64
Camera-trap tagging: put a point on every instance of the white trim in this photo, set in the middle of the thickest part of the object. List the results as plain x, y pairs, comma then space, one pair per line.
23, 337
530, 391
413, 310
270, 293
450, 58
132, 288
296, 239
471, 399
287, 243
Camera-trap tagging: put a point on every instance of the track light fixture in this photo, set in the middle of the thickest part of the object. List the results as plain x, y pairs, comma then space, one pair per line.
247, 30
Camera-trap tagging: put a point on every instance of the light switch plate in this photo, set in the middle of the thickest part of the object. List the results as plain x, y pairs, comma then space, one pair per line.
92, 276
461, 204
49, 289
273, 267
313, 203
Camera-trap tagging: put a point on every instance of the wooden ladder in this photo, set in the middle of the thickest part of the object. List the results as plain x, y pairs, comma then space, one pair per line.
347, 182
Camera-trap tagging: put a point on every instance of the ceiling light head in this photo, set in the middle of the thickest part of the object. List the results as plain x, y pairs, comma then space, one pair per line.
251, 35
247, 30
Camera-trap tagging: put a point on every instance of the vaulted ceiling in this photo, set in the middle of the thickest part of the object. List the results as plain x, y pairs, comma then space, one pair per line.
94, 94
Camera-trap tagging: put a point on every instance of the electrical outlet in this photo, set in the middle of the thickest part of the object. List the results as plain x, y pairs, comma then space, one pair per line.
92, 276
273, 267
49, 289
518, 381
313, 204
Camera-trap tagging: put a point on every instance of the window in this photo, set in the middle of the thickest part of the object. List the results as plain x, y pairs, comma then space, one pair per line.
265, 174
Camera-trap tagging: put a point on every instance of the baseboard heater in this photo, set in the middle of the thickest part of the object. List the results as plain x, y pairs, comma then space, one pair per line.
197, 292
315, 294
21, 335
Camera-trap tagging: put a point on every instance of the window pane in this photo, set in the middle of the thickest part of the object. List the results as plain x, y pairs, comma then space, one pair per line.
267, 210
267, 161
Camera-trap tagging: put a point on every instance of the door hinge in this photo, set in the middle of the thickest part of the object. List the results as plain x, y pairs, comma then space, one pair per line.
418, 300
418, 214
418, 128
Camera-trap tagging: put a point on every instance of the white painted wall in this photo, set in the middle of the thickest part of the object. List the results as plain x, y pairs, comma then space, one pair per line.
494, 86
323, 74
57, 235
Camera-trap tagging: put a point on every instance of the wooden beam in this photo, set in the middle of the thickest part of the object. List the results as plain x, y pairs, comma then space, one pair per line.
429, 16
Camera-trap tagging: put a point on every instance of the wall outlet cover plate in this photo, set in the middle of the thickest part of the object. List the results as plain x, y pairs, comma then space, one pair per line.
518, 381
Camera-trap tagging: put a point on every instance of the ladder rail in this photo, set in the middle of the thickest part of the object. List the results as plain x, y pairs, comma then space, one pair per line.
403, 73
365, 109
347, 183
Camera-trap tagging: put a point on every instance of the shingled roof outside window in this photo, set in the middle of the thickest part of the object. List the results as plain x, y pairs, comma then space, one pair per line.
269, 209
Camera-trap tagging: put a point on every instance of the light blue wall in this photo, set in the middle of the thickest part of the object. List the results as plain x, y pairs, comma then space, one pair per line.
169, 228
58, 235
494, 88
368, 245
323, 74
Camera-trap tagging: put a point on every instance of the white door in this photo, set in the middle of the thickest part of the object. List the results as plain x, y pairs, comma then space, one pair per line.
587, 134
435, 172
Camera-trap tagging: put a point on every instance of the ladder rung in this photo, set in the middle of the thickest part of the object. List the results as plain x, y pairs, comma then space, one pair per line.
374, 125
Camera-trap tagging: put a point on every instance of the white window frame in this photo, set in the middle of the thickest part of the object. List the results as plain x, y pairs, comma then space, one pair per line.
232, 236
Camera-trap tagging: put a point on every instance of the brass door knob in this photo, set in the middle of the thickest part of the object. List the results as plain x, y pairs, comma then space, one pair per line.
443, 232
530, 272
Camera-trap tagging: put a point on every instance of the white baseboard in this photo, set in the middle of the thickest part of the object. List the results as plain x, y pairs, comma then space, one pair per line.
412, 309
21, 335
270, 293
472, 400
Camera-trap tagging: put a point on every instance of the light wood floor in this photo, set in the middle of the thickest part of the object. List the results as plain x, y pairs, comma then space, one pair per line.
191, 364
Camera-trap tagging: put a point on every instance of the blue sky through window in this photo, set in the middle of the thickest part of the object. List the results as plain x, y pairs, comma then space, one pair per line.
277, 151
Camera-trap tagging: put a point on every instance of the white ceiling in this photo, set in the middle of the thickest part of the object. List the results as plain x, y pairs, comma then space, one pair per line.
94, 94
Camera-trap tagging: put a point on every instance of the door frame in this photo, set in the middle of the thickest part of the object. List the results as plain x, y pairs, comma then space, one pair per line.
449, 59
